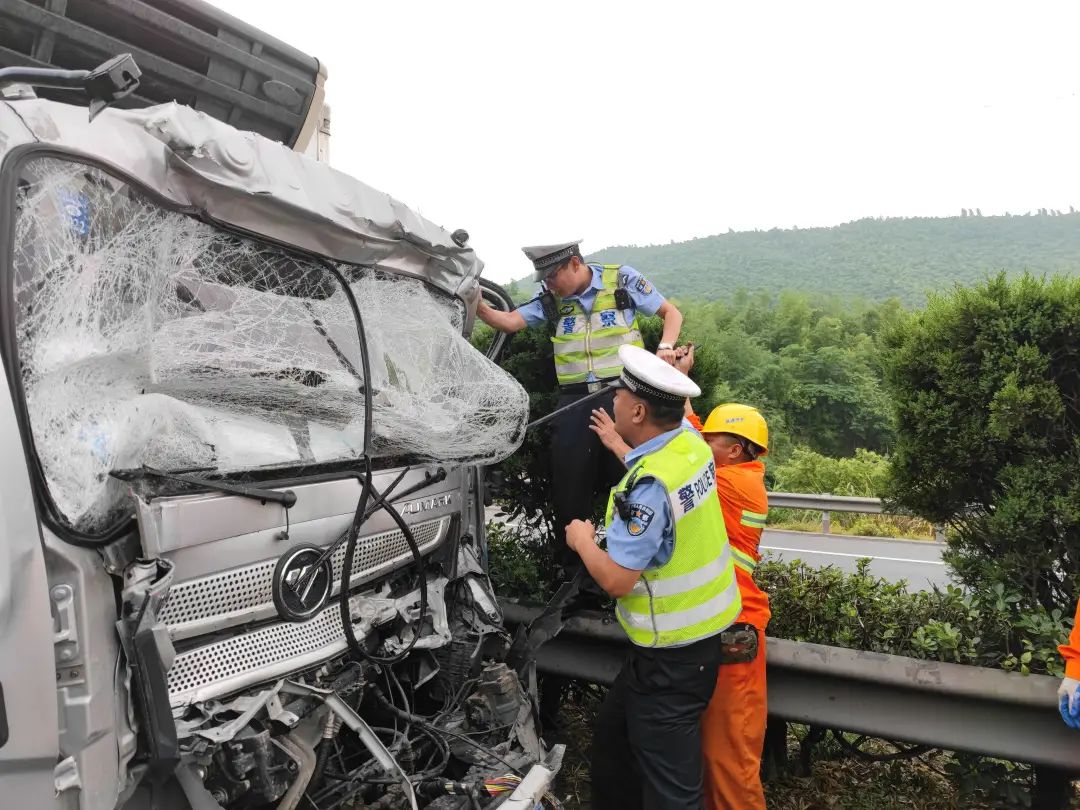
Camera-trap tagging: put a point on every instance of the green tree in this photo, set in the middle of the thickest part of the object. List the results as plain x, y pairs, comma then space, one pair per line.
986, 386
525, 485
811, 364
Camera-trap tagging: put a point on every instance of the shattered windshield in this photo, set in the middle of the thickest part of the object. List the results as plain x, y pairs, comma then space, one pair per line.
148, 337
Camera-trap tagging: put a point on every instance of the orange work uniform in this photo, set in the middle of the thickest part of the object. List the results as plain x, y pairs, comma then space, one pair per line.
733, 726
1071, 651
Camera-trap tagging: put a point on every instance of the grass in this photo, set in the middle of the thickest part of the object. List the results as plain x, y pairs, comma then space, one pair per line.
838, 781
578, 713
851, 523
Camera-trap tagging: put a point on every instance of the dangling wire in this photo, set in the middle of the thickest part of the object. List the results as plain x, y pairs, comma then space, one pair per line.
361, 507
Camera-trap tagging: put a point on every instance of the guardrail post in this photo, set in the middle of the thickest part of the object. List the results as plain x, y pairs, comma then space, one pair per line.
1051, 789
774, 756
939, 533
826, 522
814, 735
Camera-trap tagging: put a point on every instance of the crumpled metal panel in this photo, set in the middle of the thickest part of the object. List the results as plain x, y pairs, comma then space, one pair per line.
253, 184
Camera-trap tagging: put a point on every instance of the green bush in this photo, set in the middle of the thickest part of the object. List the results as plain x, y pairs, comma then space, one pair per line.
986, 386
517, 563
984, 627
525, 490
863, 475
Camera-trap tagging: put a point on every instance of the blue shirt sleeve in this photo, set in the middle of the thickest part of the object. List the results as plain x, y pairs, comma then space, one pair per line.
532, 312
647, 539
647, 300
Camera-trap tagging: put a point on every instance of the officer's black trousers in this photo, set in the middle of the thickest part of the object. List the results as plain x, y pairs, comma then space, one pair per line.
646, 752
581, 468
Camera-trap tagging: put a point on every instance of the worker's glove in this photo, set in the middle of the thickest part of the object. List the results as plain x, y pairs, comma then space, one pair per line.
1069, 702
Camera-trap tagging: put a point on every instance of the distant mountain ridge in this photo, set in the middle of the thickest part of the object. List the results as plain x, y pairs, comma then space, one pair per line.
869, 258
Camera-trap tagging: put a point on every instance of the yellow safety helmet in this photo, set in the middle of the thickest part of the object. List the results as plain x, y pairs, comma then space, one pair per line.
739, 420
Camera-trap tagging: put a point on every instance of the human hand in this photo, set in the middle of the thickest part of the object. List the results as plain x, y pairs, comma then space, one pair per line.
604, 427
579, 532
1069, 702
684, 358
667, 355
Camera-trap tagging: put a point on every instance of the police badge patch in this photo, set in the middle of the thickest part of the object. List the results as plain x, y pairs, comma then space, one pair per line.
640, 518
566, 309
643, 286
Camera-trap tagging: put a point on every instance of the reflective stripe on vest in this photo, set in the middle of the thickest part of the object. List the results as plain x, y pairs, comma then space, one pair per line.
585, 344
694, 595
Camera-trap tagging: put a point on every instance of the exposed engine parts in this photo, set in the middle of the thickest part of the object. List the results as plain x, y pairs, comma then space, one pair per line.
449, 727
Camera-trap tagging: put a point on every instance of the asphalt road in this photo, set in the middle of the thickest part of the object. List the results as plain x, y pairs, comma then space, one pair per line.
917, 561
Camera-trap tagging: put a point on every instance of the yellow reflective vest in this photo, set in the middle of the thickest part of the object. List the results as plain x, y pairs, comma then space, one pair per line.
590, 343
693, 595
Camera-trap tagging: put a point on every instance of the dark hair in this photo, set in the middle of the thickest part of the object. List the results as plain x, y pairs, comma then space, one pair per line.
665, 415
748, 447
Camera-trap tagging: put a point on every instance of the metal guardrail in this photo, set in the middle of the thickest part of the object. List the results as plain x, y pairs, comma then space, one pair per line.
833, 503
950, 706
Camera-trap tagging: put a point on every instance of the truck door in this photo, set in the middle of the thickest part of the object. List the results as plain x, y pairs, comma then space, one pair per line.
29, 727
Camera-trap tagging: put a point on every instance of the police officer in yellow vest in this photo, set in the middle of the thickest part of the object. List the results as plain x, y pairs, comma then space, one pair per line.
593, 310
670, 568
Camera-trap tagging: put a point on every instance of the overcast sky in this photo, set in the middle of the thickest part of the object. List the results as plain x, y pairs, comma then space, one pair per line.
640, 122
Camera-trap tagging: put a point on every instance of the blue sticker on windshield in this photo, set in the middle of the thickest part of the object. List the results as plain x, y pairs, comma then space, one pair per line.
77, 208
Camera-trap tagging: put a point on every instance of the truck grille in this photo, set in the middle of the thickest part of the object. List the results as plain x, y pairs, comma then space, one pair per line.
270, 652
212, 602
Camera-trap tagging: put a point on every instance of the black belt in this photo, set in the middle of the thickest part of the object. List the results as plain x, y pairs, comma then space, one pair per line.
584, 388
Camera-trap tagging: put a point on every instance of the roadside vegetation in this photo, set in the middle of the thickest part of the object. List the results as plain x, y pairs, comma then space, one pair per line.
858, 611
810, 363
964, 414
863, 474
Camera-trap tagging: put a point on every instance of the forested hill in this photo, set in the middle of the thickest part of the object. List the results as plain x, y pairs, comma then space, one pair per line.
870, 258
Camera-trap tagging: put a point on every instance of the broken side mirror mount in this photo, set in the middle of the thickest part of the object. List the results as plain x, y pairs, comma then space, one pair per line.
104, 85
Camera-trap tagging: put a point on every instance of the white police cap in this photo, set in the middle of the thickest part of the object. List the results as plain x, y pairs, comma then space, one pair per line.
647, 376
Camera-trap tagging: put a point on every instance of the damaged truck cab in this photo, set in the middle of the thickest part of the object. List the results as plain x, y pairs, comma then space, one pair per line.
242, 556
